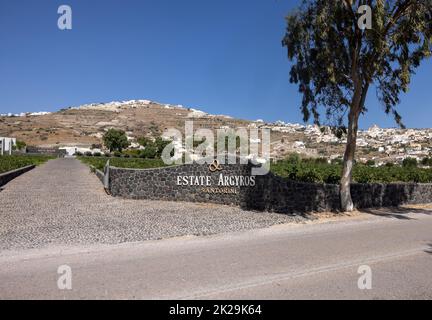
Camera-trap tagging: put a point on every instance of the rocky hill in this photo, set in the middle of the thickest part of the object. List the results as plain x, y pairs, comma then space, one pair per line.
85, 125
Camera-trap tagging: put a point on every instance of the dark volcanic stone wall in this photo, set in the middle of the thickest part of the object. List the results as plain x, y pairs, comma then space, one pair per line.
8, 176
161, 183
270, 192
393, 194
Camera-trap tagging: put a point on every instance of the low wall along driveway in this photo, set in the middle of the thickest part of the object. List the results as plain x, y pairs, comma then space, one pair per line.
233, 184
10, 175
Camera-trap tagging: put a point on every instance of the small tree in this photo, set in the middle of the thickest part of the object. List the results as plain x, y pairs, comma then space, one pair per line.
150, 152
370, 162
20, 145
144, 141
426, 161
115, 140
160, 145
336, 60
409, 162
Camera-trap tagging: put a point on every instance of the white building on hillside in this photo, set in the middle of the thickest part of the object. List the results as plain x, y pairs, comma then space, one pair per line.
6, 145
70, 151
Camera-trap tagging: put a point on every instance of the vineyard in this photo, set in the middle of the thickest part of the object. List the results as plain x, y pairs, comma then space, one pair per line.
135, 163
304, 170
323, 172
8, 163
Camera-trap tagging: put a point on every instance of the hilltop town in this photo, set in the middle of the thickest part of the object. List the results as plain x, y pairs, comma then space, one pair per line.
83, 127
379, 144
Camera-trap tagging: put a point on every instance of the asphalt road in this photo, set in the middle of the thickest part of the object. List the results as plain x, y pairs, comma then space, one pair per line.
317, 261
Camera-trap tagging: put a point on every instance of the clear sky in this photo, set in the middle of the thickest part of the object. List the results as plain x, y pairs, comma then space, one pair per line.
221, 56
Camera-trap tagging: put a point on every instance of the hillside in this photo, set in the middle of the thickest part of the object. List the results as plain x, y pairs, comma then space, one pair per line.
85, 125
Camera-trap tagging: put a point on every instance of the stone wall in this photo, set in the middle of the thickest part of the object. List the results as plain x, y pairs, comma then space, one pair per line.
162, 184
56, 152
269, 192
10, 175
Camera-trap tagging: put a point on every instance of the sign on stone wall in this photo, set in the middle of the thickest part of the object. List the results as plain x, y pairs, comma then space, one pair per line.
221, 184
217, 182
234, 184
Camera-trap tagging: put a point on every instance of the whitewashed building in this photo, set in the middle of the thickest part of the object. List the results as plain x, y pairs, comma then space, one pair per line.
6, 145
70, 151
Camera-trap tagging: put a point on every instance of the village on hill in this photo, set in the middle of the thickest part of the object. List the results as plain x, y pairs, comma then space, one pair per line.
81, 129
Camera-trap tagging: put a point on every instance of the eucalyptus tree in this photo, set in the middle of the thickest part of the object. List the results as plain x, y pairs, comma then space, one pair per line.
338, 53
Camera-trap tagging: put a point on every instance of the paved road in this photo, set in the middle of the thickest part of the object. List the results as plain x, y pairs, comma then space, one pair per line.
281, 262
59, 215
62, 203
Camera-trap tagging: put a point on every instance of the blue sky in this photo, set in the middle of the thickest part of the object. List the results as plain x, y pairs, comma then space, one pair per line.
221, 56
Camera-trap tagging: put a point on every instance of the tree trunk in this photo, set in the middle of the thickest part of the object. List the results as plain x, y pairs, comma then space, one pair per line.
348, 163
345, 184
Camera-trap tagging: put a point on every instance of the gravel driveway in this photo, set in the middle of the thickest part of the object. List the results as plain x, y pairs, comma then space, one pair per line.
62, 203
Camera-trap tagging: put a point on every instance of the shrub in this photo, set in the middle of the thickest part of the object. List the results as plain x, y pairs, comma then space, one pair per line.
409, 162
370, 163
107, 154
117, 154
321, 160
149, 152
88, 154
97, 154
426, 161
144, 141
338, 161
78, 153
19, 145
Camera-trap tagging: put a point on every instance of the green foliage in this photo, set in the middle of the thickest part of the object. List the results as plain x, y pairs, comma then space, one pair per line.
8, 163
115, 140
337, 161
160, 144
149, 152
144, 141
334, 62
99, 162
321, 160
134, 153
312, 171
426, 161
370, 162
153, 149
409, 162
20, 145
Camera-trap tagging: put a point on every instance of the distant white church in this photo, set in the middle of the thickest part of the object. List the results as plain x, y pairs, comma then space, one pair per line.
6, 145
